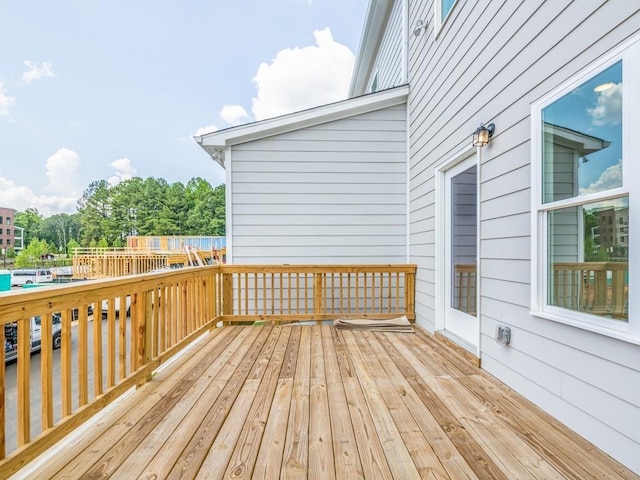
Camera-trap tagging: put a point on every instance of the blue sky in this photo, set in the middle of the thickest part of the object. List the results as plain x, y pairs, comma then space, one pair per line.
97, 89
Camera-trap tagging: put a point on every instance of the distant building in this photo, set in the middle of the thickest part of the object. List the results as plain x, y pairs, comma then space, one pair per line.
612, 233
7, 228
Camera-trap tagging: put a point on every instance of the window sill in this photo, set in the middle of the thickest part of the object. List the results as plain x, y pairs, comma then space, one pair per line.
622, 334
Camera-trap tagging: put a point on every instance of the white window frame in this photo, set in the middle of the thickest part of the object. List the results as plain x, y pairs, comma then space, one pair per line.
438, 21
629, 53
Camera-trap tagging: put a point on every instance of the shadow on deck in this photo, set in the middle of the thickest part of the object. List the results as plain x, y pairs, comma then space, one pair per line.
316, 402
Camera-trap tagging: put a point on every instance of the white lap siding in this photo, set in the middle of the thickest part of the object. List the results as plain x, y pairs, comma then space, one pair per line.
489, 63
331, 193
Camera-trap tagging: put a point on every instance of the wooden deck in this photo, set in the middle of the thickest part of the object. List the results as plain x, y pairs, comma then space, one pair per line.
299, 401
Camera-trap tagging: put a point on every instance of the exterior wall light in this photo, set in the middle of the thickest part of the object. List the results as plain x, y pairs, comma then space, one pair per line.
482, 135
419, 27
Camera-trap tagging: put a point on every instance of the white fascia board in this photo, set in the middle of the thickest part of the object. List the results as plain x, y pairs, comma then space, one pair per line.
214, 143
376, 20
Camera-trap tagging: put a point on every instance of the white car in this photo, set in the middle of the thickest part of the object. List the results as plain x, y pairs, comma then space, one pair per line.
11, 336
105, 306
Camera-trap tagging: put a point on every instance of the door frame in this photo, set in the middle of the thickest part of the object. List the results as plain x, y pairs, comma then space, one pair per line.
441, 262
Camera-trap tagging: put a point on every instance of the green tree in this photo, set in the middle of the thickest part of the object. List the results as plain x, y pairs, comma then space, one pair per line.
149, 207
31, 255
206, 208
71, 246
31, 221
59, 229
94, 209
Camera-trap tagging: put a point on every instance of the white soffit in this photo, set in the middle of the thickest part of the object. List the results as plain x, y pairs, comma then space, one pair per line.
214, 143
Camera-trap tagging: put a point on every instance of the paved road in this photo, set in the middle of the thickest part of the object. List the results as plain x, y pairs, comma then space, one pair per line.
11, 388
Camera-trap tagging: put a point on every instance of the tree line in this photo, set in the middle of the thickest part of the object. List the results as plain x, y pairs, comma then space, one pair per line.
107, 214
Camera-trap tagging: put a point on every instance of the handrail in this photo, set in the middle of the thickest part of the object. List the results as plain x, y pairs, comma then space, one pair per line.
166, 311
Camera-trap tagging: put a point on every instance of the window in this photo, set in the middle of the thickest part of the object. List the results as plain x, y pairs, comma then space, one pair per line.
8, 220
0, 220
442, 9
582, 146
8, 231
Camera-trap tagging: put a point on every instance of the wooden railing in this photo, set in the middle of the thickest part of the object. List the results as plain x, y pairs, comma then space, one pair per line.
600, 288
465, 284
116, 332
294, 293
147, 319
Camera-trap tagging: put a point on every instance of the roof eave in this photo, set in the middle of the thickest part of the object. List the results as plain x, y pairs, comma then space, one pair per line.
215, 143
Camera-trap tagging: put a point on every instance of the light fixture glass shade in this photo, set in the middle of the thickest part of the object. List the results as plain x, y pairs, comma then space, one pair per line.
482, 135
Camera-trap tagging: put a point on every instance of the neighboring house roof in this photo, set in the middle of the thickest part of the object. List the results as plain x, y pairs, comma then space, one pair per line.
372, 32
214, 143
581, 142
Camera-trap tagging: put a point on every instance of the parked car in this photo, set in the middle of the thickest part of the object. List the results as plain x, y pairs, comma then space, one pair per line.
29, 276
11, 336
105, 306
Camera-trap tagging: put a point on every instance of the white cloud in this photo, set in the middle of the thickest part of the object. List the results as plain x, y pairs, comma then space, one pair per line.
62, 170
35, 72
608, 109
301, 78
60, 194
204, 130
5, 102
123, 171
234, 114
610, 178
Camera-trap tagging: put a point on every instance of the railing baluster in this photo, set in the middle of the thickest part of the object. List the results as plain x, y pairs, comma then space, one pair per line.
24, 382
111, 343
255, 294
65, 363
97, 353
46, 371
306, 293
246, 293
281, 292
122, 339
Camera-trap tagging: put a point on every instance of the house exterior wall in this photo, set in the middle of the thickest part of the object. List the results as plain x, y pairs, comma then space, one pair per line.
387, 67
489, 63
327, 194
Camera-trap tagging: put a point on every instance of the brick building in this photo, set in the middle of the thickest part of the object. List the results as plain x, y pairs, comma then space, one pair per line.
7, 228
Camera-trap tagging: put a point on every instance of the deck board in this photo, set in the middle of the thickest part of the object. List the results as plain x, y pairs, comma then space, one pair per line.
302, 401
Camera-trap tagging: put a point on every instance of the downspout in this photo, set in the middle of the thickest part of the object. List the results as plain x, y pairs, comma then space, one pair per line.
405, 81
228, 190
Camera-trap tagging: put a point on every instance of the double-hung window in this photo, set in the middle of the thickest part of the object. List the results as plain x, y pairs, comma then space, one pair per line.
586, 183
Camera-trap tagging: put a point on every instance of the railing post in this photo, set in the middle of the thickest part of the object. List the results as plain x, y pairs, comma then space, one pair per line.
409, 294
319, 302
227, 294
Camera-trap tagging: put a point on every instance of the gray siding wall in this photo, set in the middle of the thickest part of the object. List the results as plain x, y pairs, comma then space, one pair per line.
330, 194
388, 63
588, 381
